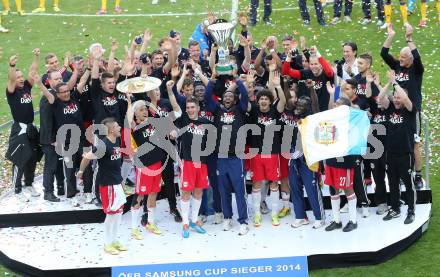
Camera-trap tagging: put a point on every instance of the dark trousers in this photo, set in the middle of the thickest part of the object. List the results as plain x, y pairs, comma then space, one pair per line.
305, 12
400, 167
378, 168
230, 177
358, 183
300, 177
28, 171
169, 188
366, 8
70, 166
211, 163
337, 8
53, 168
88, 178
267, 9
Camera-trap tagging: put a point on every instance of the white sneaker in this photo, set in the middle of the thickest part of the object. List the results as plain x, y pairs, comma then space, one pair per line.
381, 209
365, 212
299, 222
22, 197
155, 2
32, 191
244, 229
379, 23
318, 224
173, 1
347, 19
3, 30
202, 218
384, 26
227, 224
74, 201
344, 209
218, 218
89, 198
366, 21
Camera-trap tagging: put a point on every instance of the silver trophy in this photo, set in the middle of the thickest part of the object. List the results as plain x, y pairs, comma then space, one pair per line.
221, 32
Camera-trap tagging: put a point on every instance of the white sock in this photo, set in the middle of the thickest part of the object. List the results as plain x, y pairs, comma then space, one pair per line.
195, 207
151, 215
108, 230
125, 170
352, 201
184, 207
286, 198
135, 217
335, 209
256, 200
116, 226
274, 199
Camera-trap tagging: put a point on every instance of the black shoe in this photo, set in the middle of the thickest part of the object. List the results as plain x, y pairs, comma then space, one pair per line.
252, 23
17, 190
333, 226
60, 191
350, 226
51, 197
71, 195
177, 217
410, 217
267, 21
144, 219
322, 23
418, 182
391, 214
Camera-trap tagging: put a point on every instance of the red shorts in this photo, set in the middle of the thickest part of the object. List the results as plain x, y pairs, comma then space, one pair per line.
192, 176
108, 199
148, 179
265, 167
339, 178
126, 148
284, 167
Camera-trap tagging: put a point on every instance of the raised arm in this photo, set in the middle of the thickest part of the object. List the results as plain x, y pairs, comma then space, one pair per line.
384, 53
37, 79
209, 102
313, 96
146, 40
34, 65
83, 81
213, 56
170, 47
259, 59
331, 91
185, 72
370, 80
172, 97
96, 55
243, 94
417, 61
383, 100
111, 58
287, 70
198, 72
281, 97
404, 99
72, 81
12, 74
325, 65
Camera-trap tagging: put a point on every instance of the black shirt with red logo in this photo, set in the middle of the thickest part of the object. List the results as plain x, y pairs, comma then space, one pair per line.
401, 127
361, 89
378, 117
320, 87
146, 137
268, 123
409, 78
289, 123
194, 133
20, 103
109, 165
104, 104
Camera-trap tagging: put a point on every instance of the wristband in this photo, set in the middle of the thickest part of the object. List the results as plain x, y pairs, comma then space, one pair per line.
11, 65
80, 172
409, 41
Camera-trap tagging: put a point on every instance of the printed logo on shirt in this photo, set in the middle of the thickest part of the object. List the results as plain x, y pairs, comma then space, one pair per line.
317, 85
288, 119
227, 118
122, 96
361, 89
396, 118
196, 129
265, 120
379, 118
207, 115
70, 109
402, 77
162, 112
116, 155
149, 131
109, 101
26, 98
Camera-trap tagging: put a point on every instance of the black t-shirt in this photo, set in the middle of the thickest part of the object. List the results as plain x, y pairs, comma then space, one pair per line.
20, 103
378, 117
194, 131
361, 89
85, 102
109, 166
68, 112
104, 104
228, 119
289, 123
266, 121
145, 136
408, 78
345, 162
320, 87
401, 127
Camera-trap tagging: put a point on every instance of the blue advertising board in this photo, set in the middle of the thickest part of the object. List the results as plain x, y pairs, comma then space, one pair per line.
277, 267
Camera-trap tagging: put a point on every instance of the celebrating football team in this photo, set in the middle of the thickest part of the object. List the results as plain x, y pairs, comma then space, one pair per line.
203, 137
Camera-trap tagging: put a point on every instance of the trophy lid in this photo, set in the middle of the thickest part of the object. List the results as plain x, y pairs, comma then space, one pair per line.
138, 85
221, 26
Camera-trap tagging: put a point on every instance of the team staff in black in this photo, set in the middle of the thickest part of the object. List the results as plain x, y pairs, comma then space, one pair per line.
409, 75
399, 145
23, 140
